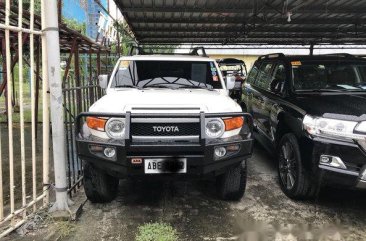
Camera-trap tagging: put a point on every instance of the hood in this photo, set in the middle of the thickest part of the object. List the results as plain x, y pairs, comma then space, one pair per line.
343, 104
165, 100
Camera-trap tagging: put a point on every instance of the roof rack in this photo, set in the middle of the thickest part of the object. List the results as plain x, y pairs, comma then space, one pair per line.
137, 50
196, 49
346, 55
271, 56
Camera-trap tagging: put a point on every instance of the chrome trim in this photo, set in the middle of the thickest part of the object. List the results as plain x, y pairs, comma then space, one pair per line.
338, 170
335, 161
170, 138
361, 127
362, 144
165, 120
363, 174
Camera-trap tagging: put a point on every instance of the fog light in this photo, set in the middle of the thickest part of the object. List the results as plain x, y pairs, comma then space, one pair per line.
109, 152
220, 151
332, 161
325, 159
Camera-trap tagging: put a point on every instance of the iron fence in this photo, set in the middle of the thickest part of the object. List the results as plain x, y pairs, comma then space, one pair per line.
24, 166
80, 90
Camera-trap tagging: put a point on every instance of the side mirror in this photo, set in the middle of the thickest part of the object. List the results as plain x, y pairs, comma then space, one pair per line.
103, 81
230, 82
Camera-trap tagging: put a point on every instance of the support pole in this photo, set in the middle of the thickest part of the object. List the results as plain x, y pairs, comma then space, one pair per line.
51, 31
311, 49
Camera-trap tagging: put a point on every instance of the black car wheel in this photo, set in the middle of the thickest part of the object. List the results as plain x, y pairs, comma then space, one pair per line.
231, 185
294, 178
99, 187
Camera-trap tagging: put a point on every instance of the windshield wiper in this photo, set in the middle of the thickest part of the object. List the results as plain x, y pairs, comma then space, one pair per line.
127, 86
195, 87
162, 86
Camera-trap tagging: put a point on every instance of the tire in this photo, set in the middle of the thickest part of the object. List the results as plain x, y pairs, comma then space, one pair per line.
99, 187
294, 179
231, 185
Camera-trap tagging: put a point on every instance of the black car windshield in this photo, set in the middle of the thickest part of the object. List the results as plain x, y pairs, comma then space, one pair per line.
166, 74
328, 76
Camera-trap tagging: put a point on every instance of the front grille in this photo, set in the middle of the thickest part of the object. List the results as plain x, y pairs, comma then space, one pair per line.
165, 129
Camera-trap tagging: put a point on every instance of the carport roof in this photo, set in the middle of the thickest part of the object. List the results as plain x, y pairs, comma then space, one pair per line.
246, 21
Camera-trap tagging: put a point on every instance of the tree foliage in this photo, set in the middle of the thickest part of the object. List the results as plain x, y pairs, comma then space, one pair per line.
75, 25
26, 5
127, 41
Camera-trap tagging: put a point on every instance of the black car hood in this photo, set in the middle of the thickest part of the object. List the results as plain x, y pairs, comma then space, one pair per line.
343, 104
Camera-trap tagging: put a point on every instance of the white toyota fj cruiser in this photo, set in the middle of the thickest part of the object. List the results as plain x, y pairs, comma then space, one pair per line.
164, 116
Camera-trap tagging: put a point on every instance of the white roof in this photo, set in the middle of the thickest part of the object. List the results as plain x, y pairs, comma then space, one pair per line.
167, 58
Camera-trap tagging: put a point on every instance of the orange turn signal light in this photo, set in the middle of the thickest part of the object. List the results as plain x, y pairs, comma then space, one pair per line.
96, 123
233, 123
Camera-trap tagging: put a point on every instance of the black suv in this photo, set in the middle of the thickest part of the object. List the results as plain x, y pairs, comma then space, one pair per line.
311, 112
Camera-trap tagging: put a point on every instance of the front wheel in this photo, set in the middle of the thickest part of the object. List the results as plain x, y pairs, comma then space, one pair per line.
231, 185
99, 187
294, 178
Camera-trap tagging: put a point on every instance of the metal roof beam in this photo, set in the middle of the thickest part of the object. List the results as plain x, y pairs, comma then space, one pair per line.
251, 42
315, 21
253, 35
225, 29
222, 9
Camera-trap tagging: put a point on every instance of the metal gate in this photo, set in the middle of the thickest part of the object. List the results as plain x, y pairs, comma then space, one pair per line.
24, 159
80, 90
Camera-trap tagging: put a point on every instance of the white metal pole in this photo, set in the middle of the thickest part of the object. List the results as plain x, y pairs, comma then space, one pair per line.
21, 100
51, 31
33, 104
45, 116
9, 85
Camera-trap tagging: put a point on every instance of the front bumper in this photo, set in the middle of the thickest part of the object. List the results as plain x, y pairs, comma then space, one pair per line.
200, 156
346, 165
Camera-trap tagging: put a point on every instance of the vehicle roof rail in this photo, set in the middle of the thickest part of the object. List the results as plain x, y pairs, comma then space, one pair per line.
271, 56
346, 55
195, 51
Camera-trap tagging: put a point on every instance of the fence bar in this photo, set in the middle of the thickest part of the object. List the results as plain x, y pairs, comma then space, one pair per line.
22, 209
33, 104
12, 228
45, 116
10, 106
17, 29
50, 29
21, 105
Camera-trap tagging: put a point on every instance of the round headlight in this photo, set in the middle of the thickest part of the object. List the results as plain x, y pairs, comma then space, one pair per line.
215, 128
115, 128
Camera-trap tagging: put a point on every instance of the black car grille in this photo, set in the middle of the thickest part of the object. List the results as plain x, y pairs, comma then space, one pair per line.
165, 129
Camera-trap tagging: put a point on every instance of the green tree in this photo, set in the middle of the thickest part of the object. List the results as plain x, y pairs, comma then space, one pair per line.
127, 41
26, 5
75, 25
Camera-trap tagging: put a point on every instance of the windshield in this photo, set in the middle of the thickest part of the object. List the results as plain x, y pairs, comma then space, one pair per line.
329, 76
166, 74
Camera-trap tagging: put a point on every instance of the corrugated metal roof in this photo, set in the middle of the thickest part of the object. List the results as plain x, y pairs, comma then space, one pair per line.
246, 21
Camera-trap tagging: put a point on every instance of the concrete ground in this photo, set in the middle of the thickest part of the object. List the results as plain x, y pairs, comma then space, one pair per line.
265, 213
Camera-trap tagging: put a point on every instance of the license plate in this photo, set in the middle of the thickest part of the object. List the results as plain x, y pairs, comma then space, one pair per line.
165, 165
